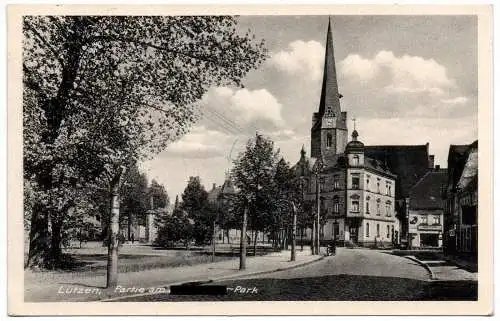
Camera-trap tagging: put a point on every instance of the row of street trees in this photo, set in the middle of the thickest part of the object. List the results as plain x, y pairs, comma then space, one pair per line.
102, 93
269, 195
268, 198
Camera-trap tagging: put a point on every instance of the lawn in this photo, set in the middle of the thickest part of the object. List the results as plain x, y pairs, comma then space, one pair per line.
97, 263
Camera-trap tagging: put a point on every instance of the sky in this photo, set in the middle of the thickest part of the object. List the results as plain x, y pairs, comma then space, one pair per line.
406, 79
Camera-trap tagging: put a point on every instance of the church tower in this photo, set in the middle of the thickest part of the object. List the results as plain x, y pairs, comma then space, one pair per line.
329, 126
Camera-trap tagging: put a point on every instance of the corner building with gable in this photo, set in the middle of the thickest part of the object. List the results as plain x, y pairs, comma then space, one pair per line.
362, 191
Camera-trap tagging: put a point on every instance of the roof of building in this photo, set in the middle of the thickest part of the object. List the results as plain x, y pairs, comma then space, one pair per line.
426, 193
469, 172
457, 157
378, 166
214, 193
408, 162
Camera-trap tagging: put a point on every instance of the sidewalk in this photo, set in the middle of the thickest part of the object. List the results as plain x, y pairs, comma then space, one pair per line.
76, 287
442, 270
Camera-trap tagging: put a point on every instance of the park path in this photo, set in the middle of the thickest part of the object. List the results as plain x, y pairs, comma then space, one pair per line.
47, 286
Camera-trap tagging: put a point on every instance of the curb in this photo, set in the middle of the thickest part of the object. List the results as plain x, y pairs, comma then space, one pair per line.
237, 276
203, 281
414, 259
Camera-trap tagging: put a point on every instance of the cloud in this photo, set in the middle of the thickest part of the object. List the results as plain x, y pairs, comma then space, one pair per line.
199, 143
390, 86
355, 66
457, 100
241, 110
405, 74
300, 58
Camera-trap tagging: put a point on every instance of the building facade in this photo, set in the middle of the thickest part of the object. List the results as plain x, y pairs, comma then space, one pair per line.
426, 210
461, 202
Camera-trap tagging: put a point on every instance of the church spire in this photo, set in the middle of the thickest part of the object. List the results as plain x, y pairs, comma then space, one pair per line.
330, 98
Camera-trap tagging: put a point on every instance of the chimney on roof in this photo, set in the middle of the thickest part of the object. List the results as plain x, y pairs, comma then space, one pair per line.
431, 161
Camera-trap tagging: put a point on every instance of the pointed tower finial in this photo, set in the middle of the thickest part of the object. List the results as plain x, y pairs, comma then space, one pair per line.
354, 122
330, 97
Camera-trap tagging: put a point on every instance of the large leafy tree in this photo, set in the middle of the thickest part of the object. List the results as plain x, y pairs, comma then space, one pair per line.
106, 91
195, 203
253, 172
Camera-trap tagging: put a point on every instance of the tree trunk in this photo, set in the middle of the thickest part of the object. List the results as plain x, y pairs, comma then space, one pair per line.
213, 242
129, 225
55, 242
256, 233
39, 237
294, 232
112, 271
313, 233
243, 240
301, 239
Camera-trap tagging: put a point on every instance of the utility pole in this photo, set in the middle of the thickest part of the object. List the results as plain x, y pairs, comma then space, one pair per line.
318, 203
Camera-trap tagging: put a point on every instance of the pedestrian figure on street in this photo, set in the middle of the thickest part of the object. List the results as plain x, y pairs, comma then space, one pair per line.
332, 247
132, 238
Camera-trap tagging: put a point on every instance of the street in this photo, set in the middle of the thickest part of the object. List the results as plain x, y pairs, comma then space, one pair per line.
355, 274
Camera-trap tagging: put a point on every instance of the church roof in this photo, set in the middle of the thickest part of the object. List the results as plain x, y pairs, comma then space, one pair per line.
408, 162
330, 97
426, 193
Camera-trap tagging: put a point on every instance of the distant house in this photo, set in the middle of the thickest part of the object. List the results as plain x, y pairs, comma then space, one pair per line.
460, 195
220, 196
426, 210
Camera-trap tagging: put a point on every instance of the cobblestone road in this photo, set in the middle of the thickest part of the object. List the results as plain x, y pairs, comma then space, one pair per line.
356, 274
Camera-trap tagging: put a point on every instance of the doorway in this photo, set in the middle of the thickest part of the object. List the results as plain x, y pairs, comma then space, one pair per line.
353, 234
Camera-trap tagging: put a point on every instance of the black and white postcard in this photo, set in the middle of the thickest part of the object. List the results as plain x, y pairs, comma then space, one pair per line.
246, 160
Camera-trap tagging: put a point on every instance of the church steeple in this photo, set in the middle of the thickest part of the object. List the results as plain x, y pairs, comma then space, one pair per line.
330, 98
329, 127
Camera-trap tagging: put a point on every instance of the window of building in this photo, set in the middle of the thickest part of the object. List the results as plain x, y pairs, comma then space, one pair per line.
378, 187
378, 207
355, 206
367, 229
355, 160
368, 182
436, 220
378, 230
387, 209
392, 232
389, 189
424, 219
335, 204
367, 207
355, 182
336, 182
329, 140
